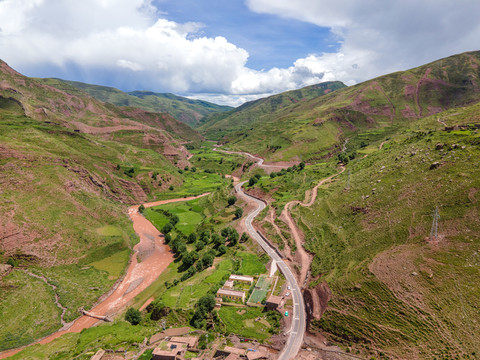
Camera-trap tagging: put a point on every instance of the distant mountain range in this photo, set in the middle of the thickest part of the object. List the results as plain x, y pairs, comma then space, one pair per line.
188, 111
311, 123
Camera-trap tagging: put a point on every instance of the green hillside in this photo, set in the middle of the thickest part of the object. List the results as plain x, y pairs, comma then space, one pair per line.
395, 293
188, 111
240, 120
69, 166
316, 128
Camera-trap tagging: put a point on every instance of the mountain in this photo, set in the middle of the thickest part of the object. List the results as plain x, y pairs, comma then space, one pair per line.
251, 113
188, 111
69, 165
315, 128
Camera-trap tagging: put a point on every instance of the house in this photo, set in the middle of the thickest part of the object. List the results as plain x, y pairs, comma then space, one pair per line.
241, 278
231, 294
190, 341
171, 354
234, 350
228, 284
273, 302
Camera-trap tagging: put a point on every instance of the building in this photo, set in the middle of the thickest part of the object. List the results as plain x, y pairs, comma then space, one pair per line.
231, 294
190, 341
241, 278
273, 302
228, 284
171, 354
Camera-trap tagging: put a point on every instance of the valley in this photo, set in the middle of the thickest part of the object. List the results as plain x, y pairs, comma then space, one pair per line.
109, 211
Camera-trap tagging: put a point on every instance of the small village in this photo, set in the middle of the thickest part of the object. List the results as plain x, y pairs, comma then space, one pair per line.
240, 291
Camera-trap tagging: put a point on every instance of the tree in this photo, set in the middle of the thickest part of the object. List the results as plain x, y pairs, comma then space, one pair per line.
192, 238
167, 228
222, 249
301, 166
238, 213
157, 309
206, 303
244, 238
217, 240
133, 316
207, 260
141, 209
252, 181
188, 260
167, 238
231, 200
199, 245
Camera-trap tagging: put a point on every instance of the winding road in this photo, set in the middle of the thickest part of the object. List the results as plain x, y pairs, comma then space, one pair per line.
297, 329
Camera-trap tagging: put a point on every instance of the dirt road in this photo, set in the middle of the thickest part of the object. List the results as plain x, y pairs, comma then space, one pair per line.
155, 256
306, 258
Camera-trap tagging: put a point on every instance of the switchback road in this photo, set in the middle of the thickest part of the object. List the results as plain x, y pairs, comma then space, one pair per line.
297, 329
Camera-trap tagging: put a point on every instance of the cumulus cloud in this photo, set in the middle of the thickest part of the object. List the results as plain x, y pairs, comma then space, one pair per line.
131, 44
382, 36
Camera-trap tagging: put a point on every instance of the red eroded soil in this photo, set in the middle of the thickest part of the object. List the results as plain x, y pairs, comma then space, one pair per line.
155, 256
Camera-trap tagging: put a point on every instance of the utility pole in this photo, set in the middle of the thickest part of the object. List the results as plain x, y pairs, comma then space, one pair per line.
434, 231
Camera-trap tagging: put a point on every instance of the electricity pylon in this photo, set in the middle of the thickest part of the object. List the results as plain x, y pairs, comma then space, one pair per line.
434, 231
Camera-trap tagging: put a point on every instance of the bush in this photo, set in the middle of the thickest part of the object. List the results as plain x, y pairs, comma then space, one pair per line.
141, 209
133, 316
167, 228
170, 187
238, 213
231, 200
157, 309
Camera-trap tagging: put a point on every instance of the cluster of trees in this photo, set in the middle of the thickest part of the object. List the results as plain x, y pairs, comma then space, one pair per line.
193, 261
293, 168
203, 308
254, 179
345, 158
238, 211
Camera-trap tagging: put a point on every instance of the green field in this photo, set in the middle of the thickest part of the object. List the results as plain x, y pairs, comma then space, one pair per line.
194, 183
189, 213
250, 264
261, 290
244, 324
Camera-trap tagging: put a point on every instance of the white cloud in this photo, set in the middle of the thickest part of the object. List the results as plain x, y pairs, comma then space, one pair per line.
382, 36
131, 44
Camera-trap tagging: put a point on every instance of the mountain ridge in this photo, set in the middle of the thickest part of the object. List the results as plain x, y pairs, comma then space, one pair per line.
189, 111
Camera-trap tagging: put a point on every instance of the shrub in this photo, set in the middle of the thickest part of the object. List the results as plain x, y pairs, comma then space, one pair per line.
238, 213
133, 316
231, 200
141, 209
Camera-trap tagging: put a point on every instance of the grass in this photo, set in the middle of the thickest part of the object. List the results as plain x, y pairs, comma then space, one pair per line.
387, 210
114, 265
194, 183
35, 313
189, 213
83, 345
78, 286
244, 325
186, 294
250, 264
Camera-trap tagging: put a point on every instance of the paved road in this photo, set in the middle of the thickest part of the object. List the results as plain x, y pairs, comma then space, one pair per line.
297, 329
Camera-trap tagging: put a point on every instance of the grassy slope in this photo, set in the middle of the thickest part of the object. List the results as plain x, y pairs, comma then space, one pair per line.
63, 196
315, 128
393, 292
186, 110
58, 189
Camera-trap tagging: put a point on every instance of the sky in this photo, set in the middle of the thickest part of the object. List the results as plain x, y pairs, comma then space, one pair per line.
230, 51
